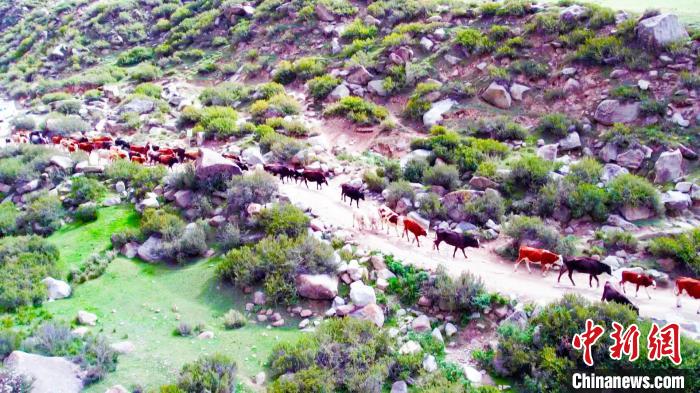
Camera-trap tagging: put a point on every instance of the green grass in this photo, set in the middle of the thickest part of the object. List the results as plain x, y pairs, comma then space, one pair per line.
687, 10
134, 301
77, 242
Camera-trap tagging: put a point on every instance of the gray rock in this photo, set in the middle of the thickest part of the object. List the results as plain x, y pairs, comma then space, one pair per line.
669, 166
548, 152
634, 213
377, 87
609, 112
87, 318
482, 183
183, 199
608, 152
399, 387
359, 76
210, 163
339, 92
450, 329
434, 115
427, 44
678, 119
572, 141
453, 60
371, 312
323, 13
421, 324
472, 374
676, 200
631, 158
49, 374
56, 289
259, 298
611, 171
572, 86
138, 105
112, 201
123, 347
617, 221
661, 30
573, 13
30, 186
317, 286
253, 156
151, 250
517, 91
497, 96
65, 163
418, 154
430, 364
361, 294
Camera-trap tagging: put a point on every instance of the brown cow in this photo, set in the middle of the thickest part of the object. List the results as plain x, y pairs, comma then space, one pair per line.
390, 218
641, 279
415, 228
691, 286
545, 258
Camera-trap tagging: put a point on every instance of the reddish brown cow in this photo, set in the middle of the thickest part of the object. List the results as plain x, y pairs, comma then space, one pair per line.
691, 286
135, 157
415, 228
640, 279
86, 147
545, 258
140, 149
168, 159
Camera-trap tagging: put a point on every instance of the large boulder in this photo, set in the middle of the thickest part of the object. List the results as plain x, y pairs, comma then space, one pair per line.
631, 158
571, 142
661, 30
434, 115
454, 204
210, 163
359, 76
317, 286
361, 294
669, 166
611, 171
573, 13
183, 198
497, 96
151, 250
138, 105
634, 213
676, 200
610, 112
370, 312
56, 289
48, 374
421, 324
63, 162
252, 156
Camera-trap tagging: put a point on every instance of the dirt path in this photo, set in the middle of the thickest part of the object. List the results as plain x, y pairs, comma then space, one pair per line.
496, 272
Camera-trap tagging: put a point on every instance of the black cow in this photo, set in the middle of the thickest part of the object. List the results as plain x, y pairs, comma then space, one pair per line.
279, 170
456, 239
355, 193
124, 144
610, 294
584, 265
314, 175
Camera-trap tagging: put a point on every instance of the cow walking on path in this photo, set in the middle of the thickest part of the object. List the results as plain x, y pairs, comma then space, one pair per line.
456, 239
545, 258
688, 285
641, 279
587, 265
610, 294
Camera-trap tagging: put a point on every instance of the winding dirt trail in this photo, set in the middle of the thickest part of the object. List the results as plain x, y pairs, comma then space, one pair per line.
496, 272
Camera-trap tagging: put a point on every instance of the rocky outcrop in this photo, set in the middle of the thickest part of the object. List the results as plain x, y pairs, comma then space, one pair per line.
611, 171
676, 201
48, 374
361, 294
434, 115
610, 112
669, 166
497, 96
317, 286
359, 76
370, 312
631, 158
634, 213
210, 163
151, 250
454, 204
661, 30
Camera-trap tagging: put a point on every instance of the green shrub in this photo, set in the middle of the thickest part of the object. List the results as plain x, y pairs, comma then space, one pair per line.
446, 176
596, 50
275, 262
587, 170
256, 187
690, 80
234, 319
414, 169
86, 189
407, 281
162, 222
531, 230
358, 110
65, 125
23, 123
225, 94
142, 178
214, 374
87, 212
149, 90
529, 171
589, 199
8, 218
627, 93
683, 248
134, 56
284, 219
455, 295
42, 214
145, 73
68, 107
358, 29
652, 107
631, 190
576, 37
417, 104
489, 206
26, 261
618, 240
555, 124
374, 182
399, 190
55, 97
474, 41
321, 86
431, 206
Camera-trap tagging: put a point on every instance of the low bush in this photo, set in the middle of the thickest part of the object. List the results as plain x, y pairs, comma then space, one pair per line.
556, 124
474, 41
86, 212
66, 125
456, 295
321, 86
145, 72
234, 319
228, 236
161, 222
418, 104
445, 176
134, 56
141, 178
284, 219
529, 172
43, 214
397, 191
358, 110
213, 374
275, 262
93, 267
615, 240
256, 187
407, 282
23, 123
532, 231
431, 207
632, 190
589, 199
225, 94
587, 170
529, 68
627, 93
86, 189
596, 50
414, 169
357, 29
489, 206
374, 182
26, 261
9, 215
683, 248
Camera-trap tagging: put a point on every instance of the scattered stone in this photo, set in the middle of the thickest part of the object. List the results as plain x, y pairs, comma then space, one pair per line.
377, 87
87, 318
517, 91
361, 294
610, 112
430, 364
359, 76
450, 329
497, 96
669, 166
56, 289
676, 200
210, 163
661, 30
573, 13
323, 13
472, 374
548, 152
340, 91
259, 298
151, 250
117, 389
317, 286
611, 171
399, 387
370, 312
123, 347
635, 213
206, 335
409, 348
631, 158
572, 85
421, 324
679, 120
434, 115
571, 142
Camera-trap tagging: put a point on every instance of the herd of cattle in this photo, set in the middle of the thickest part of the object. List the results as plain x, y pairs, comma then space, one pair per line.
382, 218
